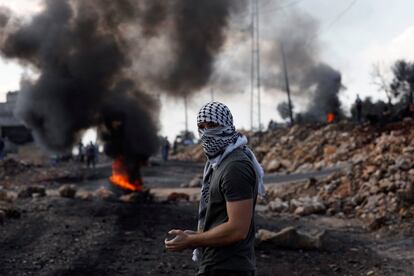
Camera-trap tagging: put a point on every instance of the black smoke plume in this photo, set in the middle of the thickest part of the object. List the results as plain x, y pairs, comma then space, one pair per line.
315, 85
327, 84
196, 42
90, 61
310, 78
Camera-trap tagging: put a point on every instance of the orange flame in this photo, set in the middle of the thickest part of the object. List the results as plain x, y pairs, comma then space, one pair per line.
121, 179
330, 117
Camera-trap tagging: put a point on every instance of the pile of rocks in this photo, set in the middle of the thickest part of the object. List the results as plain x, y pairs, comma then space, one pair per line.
306, 148
312, 147
11, 167
378, 186
377, 182
376, 202
302, 147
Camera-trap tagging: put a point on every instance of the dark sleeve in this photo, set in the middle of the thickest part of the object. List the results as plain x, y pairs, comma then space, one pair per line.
238, 181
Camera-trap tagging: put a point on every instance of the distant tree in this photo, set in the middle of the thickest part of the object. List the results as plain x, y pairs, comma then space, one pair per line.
283, 109
369, 109
381, 80
402, 84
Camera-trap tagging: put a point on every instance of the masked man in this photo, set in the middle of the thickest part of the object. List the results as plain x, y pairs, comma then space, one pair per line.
224, 242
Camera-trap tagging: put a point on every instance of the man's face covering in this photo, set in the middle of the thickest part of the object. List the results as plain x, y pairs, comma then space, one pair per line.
215, 140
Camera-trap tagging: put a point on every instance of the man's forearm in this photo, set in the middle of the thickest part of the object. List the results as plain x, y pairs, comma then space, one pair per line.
221, 235
235, 229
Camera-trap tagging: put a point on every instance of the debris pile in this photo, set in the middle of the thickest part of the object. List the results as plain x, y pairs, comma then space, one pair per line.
11, 167
378, 186
311, 147
302, 147
316, 146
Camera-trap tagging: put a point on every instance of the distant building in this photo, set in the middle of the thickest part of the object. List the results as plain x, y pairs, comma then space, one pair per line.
10, 127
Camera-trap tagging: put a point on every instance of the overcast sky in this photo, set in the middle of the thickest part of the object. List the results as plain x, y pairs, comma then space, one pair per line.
371, 31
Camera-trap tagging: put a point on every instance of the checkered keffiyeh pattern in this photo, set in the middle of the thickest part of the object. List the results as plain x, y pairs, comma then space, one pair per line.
215, 112
214, 141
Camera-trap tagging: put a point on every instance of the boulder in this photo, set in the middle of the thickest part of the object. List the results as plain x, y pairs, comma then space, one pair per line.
84, 195
27, 192
307, 206
309, 209
291, 238
273, 166
286, 163
404, 163
373, 201
359, 158
406, 194
376, 223
278, 205
6, 196
131, 198
105, 194
387, 185
196, 181
175, 197
329, 150
344, 190
368, 171
68, 191
408, 150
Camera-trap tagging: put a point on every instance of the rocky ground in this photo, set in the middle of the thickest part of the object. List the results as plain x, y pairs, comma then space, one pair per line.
374, 180
80, 226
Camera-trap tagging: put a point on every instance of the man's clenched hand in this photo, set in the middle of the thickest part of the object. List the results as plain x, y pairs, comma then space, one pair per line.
181, 240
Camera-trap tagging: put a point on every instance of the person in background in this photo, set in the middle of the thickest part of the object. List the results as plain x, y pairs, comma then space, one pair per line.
81, 152
358, 106
2, 148
90, 155
165, 149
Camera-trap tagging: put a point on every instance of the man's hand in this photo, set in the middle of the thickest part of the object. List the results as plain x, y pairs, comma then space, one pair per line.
234, 230
181, 240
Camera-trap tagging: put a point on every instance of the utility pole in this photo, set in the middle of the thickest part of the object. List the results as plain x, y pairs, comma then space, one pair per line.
252, 7
255, 80
186, 117
212, 94
259, 109
287, 83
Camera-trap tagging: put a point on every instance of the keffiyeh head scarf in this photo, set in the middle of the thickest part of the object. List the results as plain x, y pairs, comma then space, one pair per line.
215, 140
